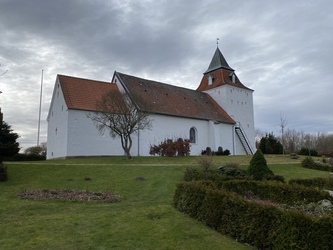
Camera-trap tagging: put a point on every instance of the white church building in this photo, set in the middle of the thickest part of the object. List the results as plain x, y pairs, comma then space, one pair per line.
219, 113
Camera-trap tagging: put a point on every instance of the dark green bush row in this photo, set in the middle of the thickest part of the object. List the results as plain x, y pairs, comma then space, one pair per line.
216, 176
222, 175
308, 162
306, 151
262, 226
26, 157
321, 183
276, 191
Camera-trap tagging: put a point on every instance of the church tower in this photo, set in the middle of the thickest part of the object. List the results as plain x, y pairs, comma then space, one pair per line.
222, 84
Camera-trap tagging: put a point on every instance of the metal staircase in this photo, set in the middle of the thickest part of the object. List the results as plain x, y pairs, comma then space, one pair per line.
242, 137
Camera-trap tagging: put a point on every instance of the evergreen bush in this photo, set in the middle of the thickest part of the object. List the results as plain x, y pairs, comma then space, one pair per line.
258, 168
306, 151
233, 169
270, 145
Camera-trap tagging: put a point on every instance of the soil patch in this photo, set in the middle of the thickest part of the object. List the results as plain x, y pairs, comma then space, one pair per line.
70, 195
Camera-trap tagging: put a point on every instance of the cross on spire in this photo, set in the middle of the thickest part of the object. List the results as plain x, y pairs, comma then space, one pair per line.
217, 42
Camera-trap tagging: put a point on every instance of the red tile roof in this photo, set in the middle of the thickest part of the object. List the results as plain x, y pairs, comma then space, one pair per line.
82, 93
221, 77
167, 99
161, 98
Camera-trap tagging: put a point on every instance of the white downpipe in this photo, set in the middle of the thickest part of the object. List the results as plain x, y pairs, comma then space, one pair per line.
233, 140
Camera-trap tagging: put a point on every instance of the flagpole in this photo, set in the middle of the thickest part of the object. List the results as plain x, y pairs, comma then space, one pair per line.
40, 107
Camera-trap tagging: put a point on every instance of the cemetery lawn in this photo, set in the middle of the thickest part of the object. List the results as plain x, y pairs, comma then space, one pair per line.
144, 219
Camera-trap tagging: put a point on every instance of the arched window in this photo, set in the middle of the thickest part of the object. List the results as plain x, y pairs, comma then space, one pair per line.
193, 135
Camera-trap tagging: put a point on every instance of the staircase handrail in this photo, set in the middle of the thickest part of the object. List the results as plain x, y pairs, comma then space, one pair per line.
239, 125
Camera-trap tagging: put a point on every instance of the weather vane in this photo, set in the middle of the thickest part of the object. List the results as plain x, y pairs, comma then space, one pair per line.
217, 41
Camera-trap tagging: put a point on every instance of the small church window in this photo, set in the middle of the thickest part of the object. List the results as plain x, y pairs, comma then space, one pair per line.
232, 76
210, 79
193, 135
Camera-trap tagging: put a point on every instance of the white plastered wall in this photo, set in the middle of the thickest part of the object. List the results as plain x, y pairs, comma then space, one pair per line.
57, 125
164, 127
238, 103
85, 140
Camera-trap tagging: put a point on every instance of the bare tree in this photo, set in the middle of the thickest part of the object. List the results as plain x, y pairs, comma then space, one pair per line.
122, 115
283, 124
37, 150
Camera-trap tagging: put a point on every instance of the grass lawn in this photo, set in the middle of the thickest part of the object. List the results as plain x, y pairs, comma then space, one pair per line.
145, 219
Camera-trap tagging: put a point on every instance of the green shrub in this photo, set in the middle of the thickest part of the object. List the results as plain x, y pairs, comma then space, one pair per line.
306, 151
232, 169
279, 178
258, 168
226, 152
308, 162
216, 176
318, 182
270, 145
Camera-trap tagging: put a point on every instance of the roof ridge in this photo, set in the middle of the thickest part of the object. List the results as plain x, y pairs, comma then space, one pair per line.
153, 81
82, 78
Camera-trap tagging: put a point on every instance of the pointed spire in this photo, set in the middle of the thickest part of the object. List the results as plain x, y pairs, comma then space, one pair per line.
218, 62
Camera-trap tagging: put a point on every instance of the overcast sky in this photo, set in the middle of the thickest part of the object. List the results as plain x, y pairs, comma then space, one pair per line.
282, 49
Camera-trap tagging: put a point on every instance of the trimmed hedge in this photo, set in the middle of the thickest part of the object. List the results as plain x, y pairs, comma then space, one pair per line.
216, 176
260, 225
318, 182
223, 174
276, 191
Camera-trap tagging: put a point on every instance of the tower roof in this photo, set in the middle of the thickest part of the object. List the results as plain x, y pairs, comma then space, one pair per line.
218, 61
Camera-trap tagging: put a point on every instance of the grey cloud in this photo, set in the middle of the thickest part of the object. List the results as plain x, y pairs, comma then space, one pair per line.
281, 49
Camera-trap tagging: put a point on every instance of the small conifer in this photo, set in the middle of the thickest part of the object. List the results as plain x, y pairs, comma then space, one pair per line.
258, 168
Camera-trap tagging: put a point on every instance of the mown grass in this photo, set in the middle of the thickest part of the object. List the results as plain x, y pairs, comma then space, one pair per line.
145, 219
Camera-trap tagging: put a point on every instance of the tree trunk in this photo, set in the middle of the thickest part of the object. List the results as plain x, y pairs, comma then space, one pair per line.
126, 143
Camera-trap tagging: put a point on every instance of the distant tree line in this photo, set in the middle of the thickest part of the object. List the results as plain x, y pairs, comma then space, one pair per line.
293, 141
